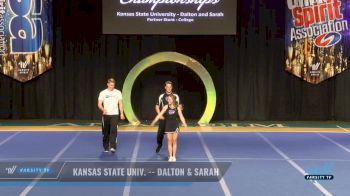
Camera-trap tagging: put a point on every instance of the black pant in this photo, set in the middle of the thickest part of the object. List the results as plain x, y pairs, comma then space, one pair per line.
109, 131
161, 131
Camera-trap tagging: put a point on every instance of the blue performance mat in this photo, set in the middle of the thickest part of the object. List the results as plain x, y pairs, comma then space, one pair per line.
262, 163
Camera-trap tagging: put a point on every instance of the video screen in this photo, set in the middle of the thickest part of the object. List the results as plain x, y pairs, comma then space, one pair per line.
174, 17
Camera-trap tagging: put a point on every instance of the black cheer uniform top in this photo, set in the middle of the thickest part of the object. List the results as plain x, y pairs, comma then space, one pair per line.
171, 120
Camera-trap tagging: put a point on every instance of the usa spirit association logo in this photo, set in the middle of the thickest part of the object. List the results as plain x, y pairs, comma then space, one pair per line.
327, 40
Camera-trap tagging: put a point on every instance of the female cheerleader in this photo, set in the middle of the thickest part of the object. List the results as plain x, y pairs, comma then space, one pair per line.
171, 112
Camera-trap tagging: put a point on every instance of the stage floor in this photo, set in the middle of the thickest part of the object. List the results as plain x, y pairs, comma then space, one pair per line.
262, 162
224, 126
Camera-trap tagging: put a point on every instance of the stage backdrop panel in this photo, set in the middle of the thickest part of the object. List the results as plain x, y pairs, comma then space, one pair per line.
317, 38
26, 38
175, 17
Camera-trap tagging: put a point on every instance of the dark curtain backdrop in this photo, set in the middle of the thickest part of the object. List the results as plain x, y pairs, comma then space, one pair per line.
247, 69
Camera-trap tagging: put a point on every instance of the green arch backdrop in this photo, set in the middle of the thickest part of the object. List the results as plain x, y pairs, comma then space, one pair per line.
169, 57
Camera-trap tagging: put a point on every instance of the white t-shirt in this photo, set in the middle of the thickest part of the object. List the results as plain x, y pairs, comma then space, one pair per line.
110, 100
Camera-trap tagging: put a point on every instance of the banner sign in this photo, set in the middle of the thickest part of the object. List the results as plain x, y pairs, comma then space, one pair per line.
114, 171
26, 38
169, 17
317, 38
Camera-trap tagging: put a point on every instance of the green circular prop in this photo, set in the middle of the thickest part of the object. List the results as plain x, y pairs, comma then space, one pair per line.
169, 57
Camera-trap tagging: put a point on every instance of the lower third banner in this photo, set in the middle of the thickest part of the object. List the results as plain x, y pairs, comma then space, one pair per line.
114, 171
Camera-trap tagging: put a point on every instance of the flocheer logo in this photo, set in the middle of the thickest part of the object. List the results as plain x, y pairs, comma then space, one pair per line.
154, 3
322, 19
